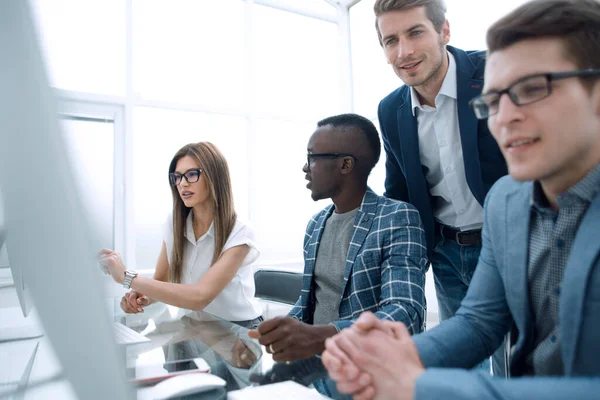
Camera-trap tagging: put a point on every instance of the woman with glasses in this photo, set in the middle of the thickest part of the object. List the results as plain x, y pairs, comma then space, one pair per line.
206, 256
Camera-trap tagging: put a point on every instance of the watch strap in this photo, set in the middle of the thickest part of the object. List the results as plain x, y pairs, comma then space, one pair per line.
129, 275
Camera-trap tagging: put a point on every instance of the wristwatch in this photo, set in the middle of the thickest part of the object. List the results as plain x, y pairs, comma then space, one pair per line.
129, 275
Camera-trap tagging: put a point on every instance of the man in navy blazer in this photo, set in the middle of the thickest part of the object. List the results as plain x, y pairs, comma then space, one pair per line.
440, 158
538, 276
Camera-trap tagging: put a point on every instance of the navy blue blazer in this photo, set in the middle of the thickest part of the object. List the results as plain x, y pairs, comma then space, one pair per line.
405, 176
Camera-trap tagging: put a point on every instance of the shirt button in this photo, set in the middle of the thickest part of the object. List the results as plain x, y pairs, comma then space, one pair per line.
557, 291
461, 211
560, 243
442, 143
553, 338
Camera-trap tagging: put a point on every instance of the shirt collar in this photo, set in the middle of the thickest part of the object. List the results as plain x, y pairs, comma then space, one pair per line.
539, 201
587, 188
448, 88
584, 190
189, 229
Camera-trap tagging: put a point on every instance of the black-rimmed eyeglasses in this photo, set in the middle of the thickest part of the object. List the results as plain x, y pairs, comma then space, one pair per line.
526, 90
191, 176
310, 157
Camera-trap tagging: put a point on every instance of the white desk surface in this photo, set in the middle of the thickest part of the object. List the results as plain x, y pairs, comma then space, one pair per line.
45, 380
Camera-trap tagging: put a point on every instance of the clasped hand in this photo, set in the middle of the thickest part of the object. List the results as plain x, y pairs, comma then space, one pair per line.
373, 359
134, 302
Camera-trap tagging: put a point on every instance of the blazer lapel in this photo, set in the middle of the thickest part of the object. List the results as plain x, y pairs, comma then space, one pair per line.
409, 146
313, 248
468, 88
516, 230
584, 252
362, 225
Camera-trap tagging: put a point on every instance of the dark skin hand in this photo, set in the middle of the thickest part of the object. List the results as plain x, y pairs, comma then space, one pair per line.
289, 339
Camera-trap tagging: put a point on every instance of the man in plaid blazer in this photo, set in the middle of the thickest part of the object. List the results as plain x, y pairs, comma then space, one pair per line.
364, 252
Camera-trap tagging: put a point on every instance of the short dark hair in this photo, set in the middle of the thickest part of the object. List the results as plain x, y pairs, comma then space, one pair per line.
362, 124
435, 10
575, 22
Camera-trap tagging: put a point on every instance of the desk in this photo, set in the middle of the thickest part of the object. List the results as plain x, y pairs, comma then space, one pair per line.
178, 334
175, 334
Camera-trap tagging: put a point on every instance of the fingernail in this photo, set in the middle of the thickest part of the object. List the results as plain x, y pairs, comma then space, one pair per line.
363, 380
140, 310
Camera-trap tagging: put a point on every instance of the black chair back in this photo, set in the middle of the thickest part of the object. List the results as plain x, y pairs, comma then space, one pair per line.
279, 286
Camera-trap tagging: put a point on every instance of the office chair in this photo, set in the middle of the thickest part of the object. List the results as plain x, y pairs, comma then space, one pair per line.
278, 286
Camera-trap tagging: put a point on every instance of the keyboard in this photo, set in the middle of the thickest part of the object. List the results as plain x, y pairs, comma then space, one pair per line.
288, 390
126, 335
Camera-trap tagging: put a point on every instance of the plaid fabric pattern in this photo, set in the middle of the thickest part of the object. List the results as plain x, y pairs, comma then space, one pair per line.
385, 266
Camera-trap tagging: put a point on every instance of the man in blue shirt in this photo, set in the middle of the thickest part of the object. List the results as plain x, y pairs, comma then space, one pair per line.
538, 276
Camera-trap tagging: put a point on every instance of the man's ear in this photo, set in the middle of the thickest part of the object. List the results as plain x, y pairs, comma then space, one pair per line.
445, 32
347, 165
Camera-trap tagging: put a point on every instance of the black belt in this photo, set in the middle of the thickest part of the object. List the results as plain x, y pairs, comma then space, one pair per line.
463, 238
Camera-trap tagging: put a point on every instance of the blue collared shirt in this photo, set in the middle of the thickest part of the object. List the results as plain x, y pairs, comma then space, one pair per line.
552, 235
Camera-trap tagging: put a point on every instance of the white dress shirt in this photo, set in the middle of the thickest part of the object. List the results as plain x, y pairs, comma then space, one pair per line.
441, 153
236, 302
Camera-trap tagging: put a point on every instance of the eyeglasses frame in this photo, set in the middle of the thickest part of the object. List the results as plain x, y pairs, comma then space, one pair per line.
183, 176
550, 77
327, 155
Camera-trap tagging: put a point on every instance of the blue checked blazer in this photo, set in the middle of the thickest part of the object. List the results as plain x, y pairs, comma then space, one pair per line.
385, 266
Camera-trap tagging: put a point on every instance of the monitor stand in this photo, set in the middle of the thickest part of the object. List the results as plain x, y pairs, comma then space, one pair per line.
14, 326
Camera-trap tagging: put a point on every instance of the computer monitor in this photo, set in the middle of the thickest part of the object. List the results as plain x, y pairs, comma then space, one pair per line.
17, 277
12, 325
51, 242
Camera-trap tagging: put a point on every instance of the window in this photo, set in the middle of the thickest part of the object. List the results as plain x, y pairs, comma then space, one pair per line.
372, 77
189, 51
296, 63
282, 203
90, 143
94, 138
83, 43
316, 7
253, 77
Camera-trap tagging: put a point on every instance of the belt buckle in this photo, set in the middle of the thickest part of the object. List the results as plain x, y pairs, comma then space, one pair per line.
457, 238
466, 233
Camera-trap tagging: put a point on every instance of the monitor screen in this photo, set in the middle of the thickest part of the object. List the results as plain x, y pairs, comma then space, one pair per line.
16, 273
49, 235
